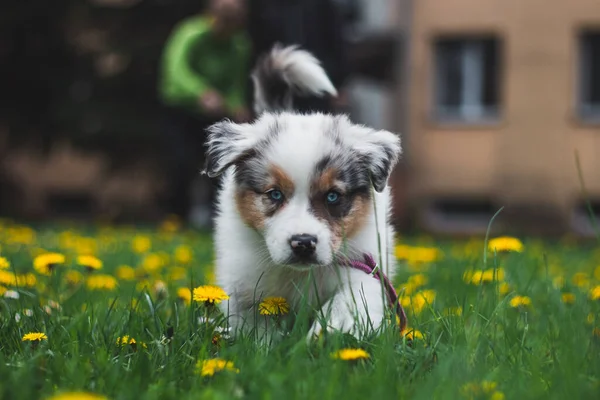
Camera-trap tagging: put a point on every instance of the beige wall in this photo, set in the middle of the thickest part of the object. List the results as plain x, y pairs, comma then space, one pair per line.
527, 157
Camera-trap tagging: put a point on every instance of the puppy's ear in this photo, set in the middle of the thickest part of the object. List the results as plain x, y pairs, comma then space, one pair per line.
228, 143
380, 151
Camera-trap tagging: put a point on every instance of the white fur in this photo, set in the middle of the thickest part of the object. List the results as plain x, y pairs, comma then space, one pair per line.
300, 70
249, 264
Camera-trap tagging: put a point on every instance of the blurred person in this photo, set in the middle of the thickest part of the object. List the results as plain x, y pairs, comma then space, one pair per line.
203, 79
317, 26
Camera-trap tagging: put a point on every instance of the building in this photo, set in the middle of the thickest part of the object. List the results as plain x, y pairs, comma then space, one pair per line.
502, 94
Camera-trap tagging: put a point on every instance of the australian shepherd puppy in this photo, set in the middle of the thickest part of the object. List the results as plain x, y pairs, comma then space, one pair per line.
301, 196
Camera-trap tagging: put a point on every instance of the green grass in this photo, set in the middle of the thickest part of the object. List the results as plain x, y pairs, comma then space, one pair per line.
545, 350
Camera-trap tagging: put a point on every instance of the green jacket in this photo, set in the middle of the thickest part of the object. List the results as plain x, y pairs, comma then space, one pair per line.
194, 61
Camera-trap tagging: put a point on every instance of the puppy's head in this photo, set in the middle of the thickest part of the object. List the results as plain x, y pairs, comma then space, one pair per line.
303, 181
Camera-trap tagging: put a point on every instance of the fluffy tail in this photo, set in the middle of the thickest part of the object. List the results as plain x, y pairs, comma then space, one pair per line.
285, 72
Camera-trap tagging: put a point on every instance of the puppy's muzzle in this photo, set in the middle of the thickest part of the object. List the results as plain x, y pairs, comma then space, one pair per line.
303, 246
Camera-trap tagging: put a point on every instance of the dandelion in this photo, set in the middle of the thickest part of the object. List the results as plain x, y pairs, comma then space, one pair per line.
4, 264
129, 341
152, 262
497, 396
44, 264
595, 293
350, 354
505, 244
504, 288
77, 396
184, 294
2, 290
126, 273
274, 306
183, 254
209, 294
520, 301
141, 244
34, 337
485, 388
214, 365
101, 282
412, 334
568, 298
581, 279
91, 263
73, 277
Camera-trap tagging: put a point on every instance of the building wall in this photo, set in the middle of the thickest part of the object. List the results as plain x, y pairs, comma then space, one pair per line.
526, 157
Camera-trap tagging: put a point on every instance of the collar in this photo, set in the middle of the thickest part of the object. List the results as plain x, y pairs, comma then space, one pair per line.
369, 266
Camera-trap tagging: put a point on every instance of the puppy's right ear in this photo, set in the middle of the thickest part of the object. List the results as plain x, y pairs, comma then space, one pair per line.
228, 143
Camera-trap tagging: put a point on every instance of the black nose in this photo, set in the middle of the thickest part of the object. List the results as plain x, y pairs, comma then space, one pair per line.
303, 245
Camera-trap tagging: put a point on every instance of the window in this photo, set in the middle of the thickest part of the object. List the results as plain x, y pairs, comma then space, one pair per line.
466, 79
589, 76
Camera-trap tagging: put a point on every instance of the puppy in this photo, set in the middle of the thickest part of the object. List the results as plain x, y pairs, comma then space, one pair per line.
303, 196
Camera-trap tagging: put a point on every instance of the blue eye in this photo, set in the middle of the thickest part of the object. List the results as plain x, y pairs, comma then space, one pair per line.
332, 197
276, 195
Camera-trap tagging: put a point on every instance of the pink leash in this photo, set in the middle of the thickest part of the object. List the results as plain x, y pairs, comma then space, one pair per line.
369, 266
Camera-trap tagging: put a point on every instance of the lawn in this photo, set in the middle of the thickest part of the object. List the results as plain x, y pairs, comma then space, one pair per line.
120, 322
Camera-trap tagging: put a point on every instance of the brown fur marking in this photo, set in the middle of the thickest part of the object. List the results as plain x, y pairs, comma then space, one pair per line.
251, 213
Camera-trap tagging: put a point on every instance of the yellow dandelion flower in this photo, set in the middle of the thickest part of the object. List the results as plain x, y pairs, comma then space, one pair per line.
417, 280
90, 262
505, 244
595, 293
185, 295
520, 301
141, 244
4, 264
497, 396
101, 282
350, 354
77, 396
412, 334
44, 264
581, 279
274, 306
568, 298
214, 365
422, 299
2, 290
34, 337
73, 277
183, 254
152, 262
126, 340
209, 294
126, 273
475, 389
504, 288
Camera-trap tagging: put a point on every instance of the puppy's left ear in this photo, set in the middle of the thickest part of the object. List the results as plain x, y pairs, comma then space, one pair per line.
380, 150
228, 143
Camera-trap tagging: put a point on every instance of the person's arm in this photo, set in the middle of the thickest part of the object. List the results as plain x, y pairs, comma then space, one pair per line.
187, 38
